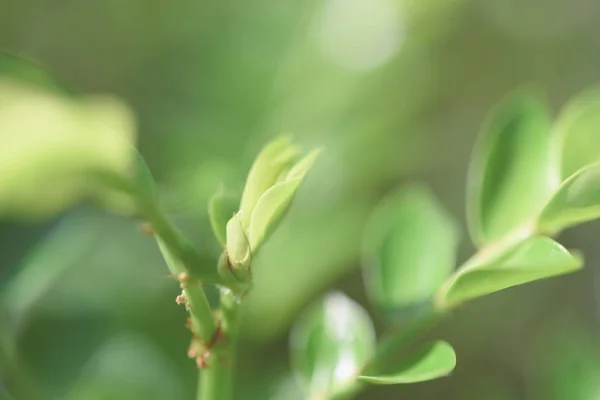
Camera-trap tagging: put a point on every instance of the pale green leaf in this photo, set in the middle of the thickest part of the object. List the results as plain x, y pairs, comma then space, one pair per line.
330, 344
410, 249
576, 201
431, 361
510, 176
273, 160
531, 260
238, 248
577, 132
303, 166
269, 210
52, 148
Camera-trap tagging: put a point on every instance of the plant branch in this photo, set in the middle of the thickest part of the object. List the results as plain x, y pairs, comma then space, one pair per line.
216, 380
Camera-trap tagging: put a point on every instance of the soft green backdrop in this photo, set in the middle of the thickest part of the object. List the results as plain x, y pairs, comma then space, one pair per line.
394, 90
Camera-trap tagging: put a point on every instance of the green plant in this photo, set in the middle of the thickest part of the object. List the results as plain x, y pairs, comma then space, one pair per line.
528, 181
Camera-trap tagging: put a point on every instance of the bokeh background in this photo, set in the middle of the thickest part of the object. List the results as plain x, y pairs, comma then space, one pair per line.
394, 90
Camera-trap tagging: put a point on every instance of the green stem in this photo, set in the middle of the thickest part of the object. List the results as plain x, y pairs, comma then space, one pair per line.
216, 381
180, 247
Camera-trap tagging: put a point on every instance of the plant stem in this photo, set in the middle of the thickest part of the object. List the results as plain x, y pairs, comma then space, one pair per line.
216, 381
179, 247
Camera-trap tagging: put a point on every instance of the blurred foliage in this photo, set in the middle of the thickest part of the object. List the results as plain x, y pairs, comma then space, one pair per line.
390, 89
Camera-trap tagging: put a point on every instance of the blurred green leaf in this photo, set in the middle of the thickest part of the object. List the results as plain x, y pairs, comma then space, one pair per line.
566, 363
128, 367
51, 148
430, 361
533, 259
511, 159
66, 245
274, 159
489, 385
578, 132
330, 345
220, 210
410, 249
576, 201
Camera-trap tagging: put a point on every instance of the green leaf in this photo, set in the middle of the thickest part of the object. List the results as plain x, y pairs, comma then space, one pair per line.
127, 367
269, 210
531, 260
220, 210
576, 201
410, 249
64, 247
299, 170
510, 175
273, 160
52, 148
330, 344
566, 361
431, 361
577, 132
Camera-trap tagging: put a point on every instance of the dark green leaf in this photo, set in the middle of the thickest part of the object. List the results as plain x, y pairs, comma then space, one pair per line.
63, 248
330, 344
576, 201
510, 177
531, 260
410, 249
428, 362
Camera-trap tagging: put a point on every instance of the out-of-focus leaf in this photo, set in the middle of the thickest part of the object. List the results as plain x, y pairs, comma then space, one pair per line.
127, 367
269, 210
220, 210
534, 259
273, 160
566, 364
51, 148
410, 249
578, 133
576, 201
489, 385
428, 362
330, 345
512, 158
64, 247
